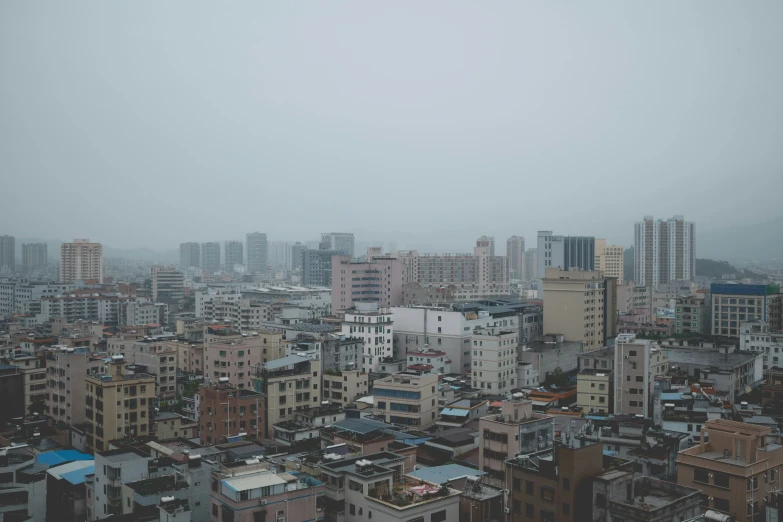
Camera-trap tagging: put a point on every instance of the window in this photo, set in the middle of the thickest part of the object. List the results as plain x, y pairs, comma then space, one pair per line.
547, 493
721, 504
566, 484
214, 510
530, 510
721, 480
517, 506
566, 509
439, 516
517, 484
352, 509
529, 487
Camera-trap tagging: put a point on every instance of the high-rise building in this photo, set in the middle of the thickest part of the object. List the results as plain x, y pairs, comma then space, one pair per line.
580, 305
565, 252
34, 256
279, 254
67, 368
491, 241
7, 253
81, 260
210, 256
377, 280
234, 255
474, 276
664, 251
515, 252
610, 259
297, 255
340, 241
317, 267
531, 264
168, 285
375, 325
189, 256
256, 253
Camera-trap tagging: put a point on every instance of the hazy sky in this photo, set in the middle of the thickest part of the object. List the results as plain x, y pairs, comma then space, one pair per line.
150, 123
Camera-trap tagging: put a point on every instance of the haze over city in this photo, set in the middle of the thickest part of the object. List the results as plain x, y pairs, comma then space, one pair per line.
426, 124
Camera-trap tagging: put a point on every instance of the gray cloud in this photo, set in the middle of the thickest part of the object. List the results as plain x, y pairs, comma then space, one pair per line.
146, 124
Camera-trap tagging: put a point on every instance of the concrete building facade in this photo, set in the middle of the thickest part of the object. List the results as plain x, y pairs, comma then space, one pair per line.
731, 305
375, 325
407, 398
81, 260
210, 256
664, 251
257, 253
610, 259
377, 280
66, 369
515, 252
189, 255
564, 252
34, 256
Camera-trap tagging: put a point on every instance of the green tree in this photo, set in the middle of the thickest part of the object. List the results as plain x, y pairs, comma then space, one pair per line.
557, 377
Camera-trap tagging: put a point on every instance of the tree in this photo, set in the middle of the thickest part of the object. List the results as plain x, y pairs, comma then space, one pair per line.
557, 377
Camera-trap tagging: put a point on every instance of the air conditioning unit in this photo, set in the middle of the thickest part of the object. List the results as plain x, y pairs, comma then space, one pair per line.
506, 510
263, 502
506, 492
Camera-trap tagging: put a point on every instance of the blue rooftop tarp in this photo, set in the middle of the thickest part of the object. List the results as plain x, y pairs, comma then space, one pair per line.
54, 458
78, 476
445, 473
671, 396
456, 412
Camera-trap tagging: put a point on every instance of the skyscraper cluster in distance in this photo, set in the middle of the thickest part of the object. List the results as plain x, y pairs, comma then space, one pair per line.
341, 379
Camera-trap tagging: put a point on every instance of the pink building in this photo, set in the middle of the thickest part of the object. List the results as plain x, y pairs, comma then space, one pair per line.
191, 356
235, 359
378, 280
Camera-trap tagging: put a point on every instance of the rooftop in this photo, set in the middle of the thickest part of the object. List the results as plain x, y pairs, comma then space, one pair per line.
154, 486
123, 454
377, 461
442, 474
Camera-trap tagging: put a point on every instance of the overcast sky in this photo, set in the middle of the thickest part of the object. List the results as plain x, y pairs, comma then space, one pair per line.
151, 123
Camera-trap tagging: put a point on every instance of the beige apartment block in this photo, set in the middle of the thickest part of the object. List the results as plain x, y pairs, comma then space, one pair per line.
407, 398
494, 360
736, 469
291, 384
580, 305
118, 404
66, 370
609, 259
33, 372
594, 389
344, 387
516, 430
80, 261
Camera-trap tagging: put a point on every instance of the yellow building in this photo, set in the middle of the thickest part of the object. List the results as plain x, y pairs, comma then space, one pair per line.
34, 381
609, 259
117, 405
594, 391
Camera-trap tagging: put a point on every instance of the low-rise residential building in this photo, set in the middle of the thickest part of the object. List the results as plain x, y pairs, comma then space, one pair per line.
170, 425
33, 371
617, 495
458, 413
154, 356
437, 361
550, 352
730, 373
371, 487
253, 492
494, 360
407, 398
735, 468
554, 484
758, 337
290, 384
225, 411
772, 391
344, 387
373, 324
12, 392
233, 359
118, 405
691, 315
595, 391
734, 304
515, 430
527, 375
66, 369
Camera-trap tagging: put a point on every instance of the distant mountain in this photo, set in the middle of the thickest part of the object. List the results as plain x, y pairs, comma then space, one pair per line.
762, 242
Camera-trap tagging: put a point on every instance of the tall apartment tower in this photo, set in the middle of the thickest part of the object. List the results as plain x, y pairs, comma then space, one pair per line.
279, 254
234, 255
81, 260
7, 253
256, 253
210, 256
297, 255
565, 252
491, 241
515, 252
168, 285
531, 264
189, 255
377, 280
34, 256
340, 241
610, 260
664, 251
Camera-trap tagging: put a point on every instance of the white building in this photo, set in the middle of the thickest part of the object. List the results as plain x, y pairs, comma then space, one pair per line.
494, 364
375, 325
664, 251
142, 311
429, 361
757, 337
